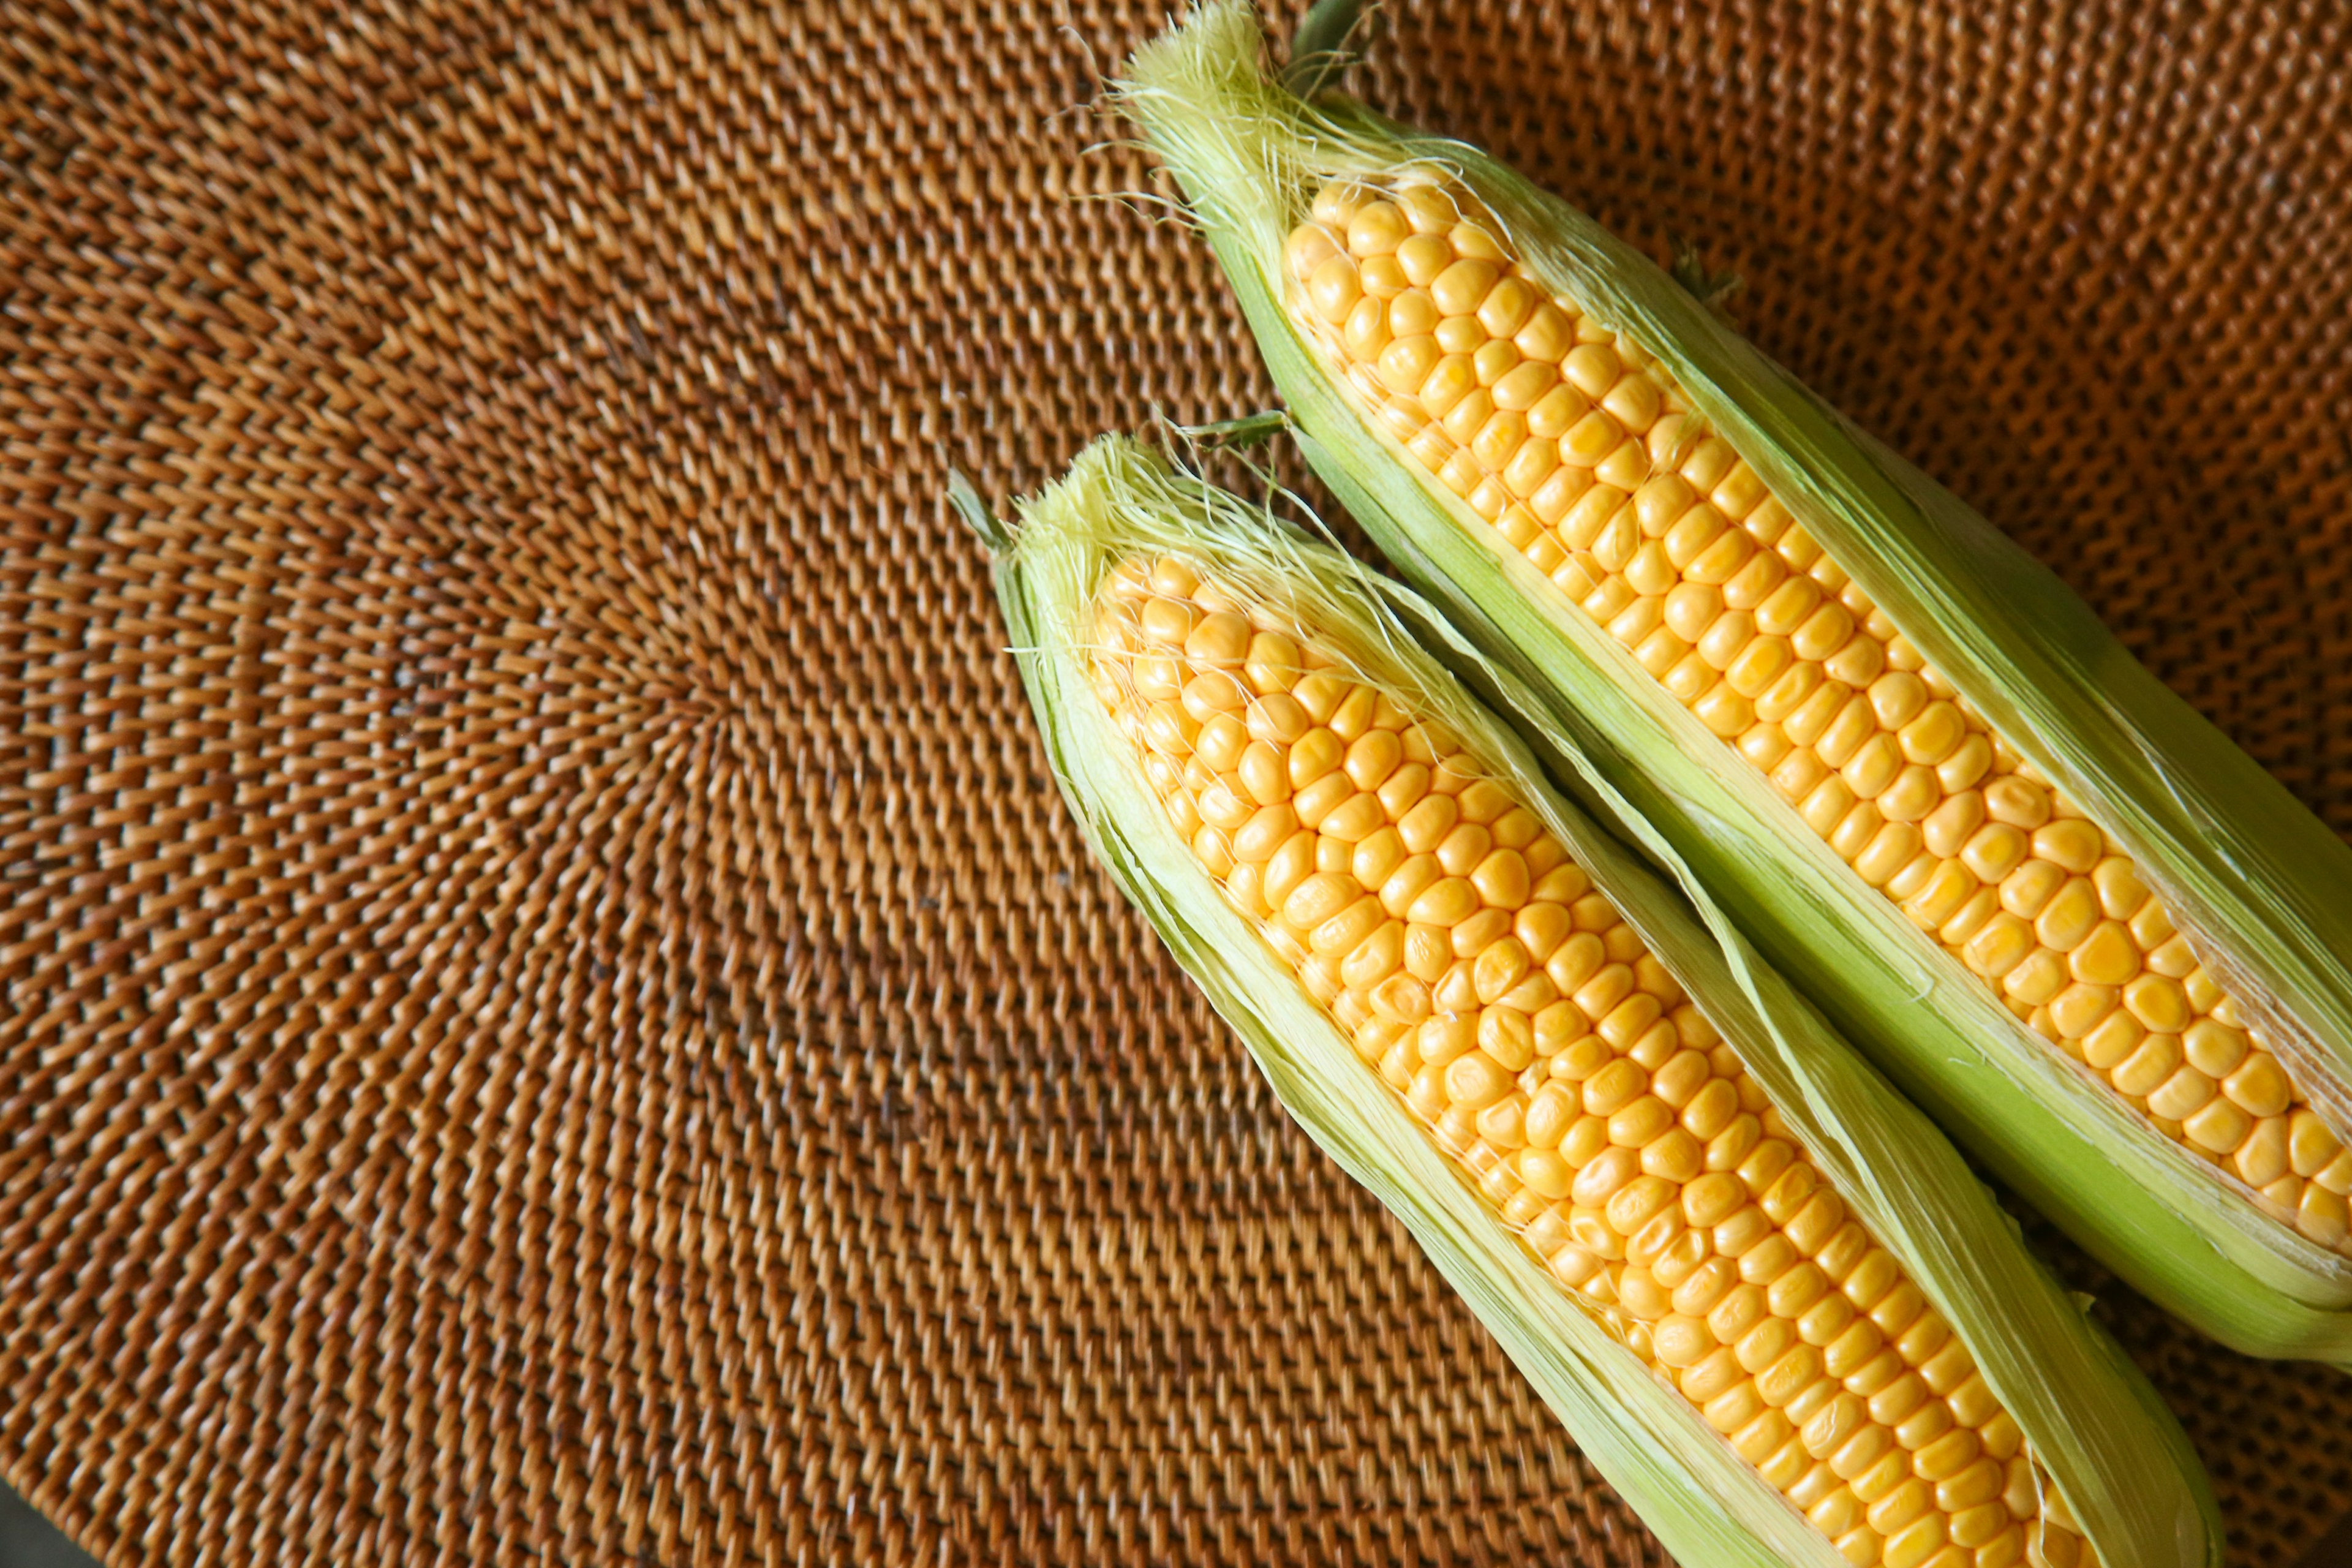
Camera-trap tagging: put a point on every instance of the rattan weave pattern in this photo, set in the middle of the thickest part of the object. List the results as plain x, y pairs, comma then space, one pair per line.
551, 1011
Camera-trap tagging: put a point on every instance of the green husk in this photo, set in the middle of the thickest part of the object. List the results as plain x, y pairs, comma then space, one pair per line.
2110, 1447
2265, 889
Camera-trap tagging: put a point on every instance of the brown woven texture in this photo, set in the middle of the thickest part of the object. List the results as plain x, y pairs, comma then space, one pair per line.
553, 1012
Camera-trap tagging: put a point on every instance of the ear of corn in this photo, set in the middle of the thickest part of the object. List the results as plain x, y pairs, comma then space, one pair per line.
2091, 936
1766, 1298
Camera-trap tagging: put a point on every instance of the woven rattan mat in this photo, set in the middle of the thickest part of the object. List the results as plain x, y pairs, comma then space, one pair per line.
554, 1014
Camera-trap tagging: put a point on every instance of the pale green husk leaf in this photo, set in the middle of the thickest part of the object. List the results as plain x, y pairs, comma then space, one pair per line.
2110, 1447
2225, 845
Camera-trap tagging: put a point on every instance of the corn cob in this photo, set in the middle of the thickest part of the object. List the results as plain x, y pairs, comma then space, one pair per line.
1458, 934
1584, 456
1521, 422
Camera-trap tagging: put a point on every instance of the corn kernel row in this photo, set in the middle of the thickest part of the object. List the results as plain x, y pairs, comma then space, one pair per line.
1503, 998
1581, 450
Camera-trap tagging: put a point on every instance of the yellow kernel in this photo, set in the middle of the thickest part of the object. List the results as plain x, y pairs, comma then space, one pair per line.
1547, 335
1934, 735
1650, 573
1724, 710
1557, 412
1790, 605
1590, 439
2215, 1049
1377, 228
1334, 288
1993, 851
1349, 927
1724, 638
1950, 887
2034, 982
1708, 462
1464, 421
1947, 1458
1739, 492
2106, 957
1981, 1482
1412, 313
2018, 802
1525, 385
2323, 1215
1625, 468
1446, 904
1471, 937
1476, 1080
1308, 247
1634, 1206
1493, 361
1764, 745
2263, 1158
1660, 502
1614, 538
2121, 892
1847, 731
1383, 278
1428, 209
1352, 820
1883, 1478
1872, 767
1756, 582
1405, 363
1855, 1347
1634, 401
2072, 913
1594, 368
2081, 1008
1366, 333
1948, 828
1371, 757
1914, 1543
2157, 1001
1760, 666
1911, 797
1337, 203
1858, 663
1509, 309
2218, 1127
1404, 789
1909, 1501
2172, 958
1855, 829
1797, 686
1966, 765
1725, 559
1463, 287
1889, 850
1896, 699
2153, 1061
2259, 1087
1972, 918
1635, 1126
1423, 257
2070, 842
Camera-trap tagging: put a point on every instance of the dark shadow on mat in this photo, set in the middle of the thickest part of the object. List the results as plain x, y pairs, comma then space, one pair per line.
28, 1540
2333, 1550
